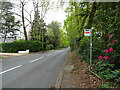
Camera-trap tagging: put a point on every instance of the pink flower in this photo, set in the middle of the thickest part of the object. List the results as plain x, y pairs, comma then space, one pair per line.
110, 36
107, 58
114, 41
106, 51
110, 49
100, 57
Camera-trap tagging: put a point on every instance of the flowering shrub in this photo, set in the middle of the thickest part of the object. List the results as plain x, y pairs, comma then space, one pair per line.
110, 50
108, 62
106, 51
100, 57
105, 58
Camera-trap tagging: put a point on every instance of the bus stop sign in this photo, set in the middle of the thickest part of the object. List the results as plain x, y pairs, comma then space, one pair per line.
87, 32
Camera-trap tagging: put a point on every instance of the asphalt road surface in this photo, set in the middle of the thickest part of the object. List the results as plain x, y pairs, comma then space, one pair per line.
38, 70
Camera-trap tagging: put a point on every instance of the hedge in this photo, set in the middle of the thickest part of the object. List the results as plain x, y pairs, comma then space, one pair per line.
49, 47
21, 45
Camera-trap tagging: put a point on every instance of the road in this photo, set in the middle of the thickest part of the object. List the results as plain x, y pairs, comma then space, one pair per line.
33, 70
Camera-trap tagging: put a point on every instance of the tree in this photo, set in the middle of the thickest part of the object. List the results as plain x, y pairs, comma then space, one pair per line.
9, 24
55, 27
80, 17
23, 3
38, 25
63, 39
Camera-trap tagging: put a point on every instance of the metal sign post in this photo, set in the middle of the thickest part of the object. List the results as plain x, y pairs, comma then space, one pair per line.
91, 47
88, 32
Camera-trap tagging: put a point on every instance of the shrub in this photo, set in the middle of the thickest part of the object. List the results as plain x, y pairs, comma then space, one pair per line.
84, 51
105, 57
21, 45
107, 65
58, 47
48, 47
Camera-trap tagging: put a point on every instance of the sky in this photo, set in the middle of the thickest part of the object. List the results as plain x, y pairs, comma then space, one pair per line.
55, 14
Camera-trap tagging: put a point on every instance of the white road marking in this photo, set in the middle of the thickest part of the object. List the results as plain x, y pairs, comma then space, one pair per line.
10, 69
49, 54
35, 59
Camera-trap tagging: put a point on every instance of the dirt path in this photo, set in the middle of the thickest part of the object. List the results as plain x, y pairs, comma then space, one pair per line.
78, 77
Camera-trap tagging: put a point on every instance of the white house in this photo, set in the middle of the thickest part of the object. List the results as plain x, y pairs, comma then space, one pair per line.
8, 39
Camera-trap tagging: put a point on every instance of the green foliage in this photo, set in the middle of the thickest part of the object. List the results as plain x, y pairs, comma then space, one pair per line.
22, 45
38, 31
49, 47
84, 50
76, 21
98, 47
72, 30
63, 39
105, 85
56, 36
108, 68
113, 75
9, 24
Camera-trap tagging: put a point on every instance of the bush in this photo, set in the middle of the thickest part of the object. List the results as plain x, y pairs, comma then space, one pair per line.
49, 47
107, 62
59, 47
105, 58
84, 51
21, 45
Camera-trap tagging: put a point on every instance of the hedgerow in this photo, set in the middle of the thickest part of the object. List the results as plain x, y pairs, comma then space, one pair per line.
21, 45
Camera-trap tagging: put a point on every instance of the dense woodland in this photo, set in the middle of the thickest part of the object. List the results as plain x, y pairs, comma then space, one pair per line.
102, 17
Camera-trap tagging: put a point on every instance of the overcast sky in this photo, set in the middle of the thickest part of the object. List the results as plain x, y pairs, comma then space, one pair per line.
55, 14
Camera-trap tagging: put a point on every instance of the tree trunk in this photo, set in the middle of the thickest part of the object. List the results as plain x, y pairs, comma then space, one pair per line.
23, 21
92, 13
83, 25
5, 36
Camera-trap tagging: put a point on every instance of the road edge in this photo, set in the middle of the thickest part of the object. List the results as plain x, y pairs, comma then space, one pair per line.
60, 76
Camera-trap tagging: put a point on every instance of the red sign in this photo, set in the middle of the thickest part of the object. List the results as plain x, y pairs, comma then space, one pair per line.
87, 32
